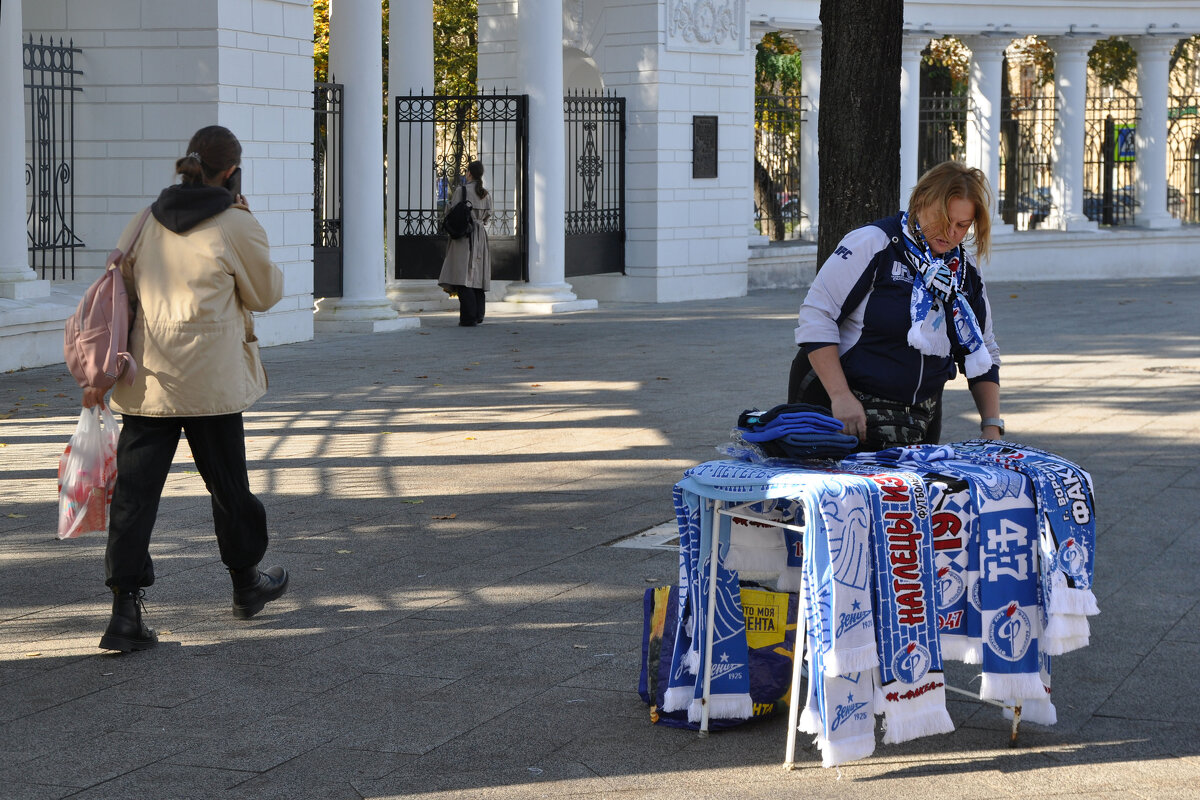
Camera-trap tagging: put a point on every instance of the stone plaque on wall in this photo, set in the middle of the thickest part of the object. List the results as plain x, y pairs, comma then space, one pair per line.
704, 147
706, 26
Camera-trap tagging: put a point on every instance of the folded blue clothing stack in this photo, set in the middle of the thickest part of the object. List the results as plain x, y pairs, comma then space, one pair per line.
796, 431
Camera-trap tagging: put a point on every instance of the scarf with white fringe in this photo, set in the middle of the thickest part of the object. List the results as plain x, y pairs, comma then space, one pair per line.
939, 285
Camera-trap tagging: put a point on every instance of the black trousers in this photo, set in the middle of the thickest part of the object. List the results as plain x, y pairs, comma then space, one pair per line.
471, 302
144, 453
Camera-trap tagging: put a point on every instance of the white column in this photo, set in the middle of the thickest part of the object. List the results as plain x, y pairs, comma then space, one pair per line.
1150, 169
410, 71
983, 115
810, 173
910, 113
356, 60
1070, 106
540, 44
17, 280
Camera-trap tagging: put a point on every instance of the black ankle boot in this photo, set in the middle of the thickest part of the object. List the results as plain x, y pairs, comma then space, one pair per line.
126, 631
253, 589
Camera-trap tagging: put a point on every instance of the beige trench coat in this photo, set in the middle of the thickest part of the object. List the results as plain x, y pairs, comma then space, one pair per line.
192, 335
468, 262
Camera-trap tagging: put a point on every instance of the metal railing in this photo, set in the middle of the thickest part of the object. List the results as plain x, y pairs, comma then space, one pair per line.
778, 122
1026, 160
942, 134
1183, 158
50, 156
1109, 188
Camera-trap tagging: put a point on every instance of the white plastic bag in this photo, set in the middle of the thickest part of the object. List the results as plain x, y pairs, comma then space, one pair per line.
87, 474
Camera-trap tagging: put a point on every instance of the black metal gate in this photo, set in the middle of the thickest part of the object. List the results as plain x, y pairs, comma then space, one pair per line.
942, 130
327, 190
436, 137
595, 201
778, 122
1026, 160
1110, 192
50, 159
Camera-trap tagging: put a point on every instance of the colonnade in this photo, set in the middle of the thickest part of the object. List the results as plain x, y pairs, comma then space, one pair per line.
983, 124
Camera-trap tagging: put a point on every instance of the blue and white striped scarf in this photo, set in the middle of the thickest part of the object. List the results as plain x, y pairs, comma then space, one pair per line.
939, 285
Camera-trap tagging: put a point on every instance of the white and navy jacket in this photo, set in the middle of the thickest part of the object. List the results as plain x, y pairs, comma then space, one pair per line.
860, 302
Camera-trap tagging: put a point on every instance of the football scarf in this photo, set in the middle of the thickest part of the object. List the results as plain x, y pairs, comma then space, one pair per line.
953, 523
841, 639
939, 285
1066, 518
911, 681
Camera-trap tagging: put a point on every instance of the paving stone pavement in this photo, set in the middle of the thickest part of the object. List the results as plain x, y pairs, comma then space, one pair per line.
458, 624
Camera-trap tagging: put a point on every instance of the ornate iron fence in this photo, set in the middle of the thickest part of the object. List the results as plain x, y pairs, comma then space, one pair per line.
436, 137
595, 197
942, 132
1026, 162
778, 122
1109, 188
327, 189
1183, 158
50, 156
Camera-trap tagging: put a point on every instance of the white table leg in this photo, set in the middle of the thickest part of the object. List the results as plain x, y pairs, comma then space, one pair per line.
709, 621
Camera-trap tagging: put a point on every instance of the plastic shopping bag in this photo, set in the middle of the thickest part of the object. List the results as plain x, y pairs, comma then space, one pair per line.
87, 474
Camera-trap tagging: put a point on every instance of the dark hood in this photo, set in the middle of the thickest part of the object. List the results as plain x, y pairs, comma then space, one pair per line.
184, 206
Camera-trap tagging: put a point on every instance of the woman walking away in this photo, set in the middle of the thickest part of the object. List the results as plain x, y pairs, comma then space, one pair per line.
897, 311
200, 266
467, 268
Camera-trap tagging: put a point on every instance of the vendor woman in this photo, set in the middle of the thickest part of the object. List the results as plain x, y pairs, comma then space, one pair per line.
897, 310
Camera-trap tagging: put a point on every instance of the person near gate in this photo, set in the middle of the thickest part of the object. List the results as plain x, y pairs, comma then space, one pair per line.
200, 266
897, 310
467, 268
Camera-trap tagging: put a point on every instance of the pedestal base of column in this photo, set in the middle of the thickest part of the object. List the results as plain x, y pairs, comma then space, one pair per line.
1072, 223
336, 315
1157, 222
419, 295
542, 299
23, 290
1001, 228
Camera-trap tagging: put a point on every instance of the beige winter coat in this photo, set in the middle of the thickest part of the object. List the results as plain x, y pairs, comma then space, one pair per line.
468, 262
193, 336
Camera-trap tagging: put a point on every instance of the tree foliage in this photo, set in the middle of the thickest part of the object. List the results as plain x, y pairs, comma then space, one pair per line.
949, 58
1113, 61
777, 66
455, 42
455, 64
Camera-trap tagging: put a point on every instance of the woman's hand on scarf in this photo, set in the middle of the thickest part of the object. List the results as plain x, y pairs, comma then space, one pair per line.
990, 432
847, 408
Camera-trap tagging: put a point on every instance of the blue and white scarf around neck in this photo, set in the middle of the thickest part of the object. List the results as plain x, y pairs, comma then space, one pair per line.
938, 285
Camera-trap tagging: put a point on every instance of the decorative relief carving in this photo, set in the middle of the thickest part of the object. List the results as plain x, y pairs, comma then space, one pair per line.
706, 25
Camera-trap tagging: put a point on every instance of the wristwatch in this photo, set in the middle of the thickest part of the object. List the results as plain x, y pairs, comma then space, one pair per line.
999, 423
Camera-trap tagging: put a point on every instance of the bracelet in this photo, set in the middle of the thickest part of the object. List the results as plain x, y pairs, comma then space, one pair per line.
995, 421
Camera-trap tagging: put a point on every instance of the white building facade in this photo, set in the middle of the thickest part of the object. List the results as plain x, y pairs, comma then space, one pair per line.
153, 71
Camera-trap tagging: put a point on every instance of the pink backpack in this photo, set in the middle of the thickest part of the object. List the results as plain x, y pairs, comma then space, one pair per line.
96, 340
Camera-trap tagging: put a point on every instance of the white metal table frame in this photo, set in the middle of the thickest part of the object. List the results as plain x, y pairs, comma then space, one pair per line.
723, 508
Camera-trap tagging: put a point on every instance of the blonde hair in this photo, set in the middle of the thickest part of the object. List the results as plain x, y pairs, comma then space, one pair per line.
947, 181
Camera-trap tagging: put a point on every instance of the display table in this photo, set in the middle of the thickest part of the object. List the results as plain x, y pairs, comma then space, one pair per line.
977, 551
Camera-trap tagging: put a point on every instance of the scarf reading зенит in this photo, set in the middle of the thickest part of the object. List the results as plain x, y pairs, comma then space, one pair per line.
938, 284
